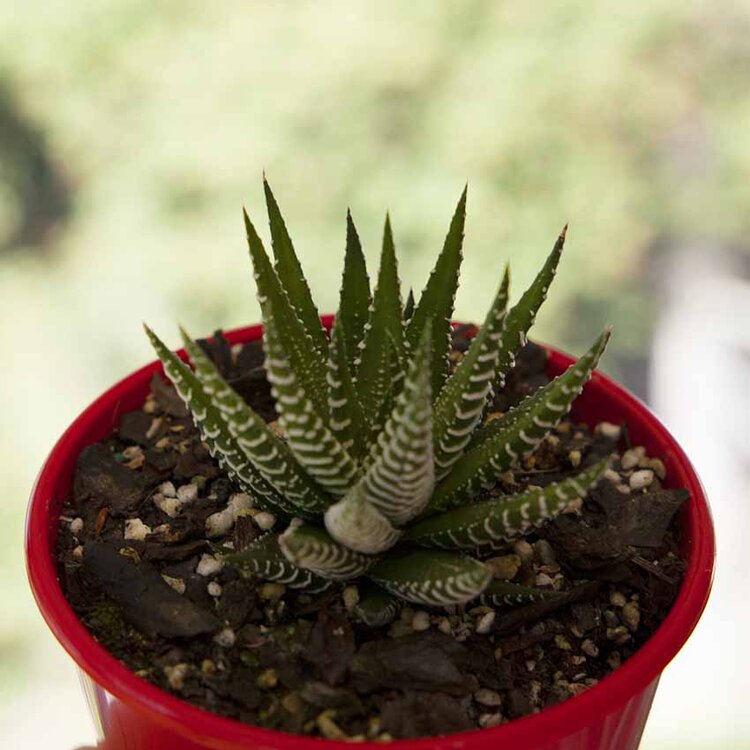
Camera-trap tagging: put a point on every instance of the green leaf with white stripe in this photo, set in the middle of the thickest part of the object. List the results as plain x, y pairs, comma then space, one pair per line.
504, 593
438, 297
345, 419
359, 525
375, 606
355, 298
308, 363
313, 549
501, 444
432, 577
384, 329
492, 523
269, 454
291, 276
313, 444
215, 432
264, 559
522, 315
461, 403
400, 478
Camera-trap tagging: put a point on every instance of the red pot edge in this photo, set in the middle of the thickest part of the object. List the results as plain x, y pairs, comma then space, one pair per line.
633, 677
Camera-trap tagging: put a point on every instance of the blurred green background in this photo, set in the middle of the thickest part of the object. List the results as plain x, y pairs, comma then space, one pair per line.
131, 133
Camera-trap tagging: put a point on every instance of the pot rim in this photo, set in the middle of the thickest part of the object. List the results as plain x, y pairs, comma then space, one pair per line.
610, 694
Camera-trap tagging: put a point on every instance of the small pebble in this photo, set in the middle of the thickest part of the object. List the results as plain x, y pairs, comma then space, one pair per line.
208, 666
167, 489
271, 591
444, 626
187, 493
552, 440
225, 638
214, 588
268, 679
136, 530
545, 552
486, 721
168, 505
78, 553
657, 466
178, 584
485, 623
575, 458
218, 524
617, 599
589, 648
609, 430
574, 505
293, 703
76, 526
350, 595
641, 479
209, 565
612, 476
632, 457
488, 697
264, 520
504, 568
562, 643
239, 504
623, 488
328, 727
543, 579
176, 675
524, 550
631, 616
420, 621
619, 635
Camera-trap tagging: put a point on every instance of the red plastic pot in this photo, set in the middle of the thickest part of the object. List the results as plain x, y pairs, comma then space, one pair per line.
131, 714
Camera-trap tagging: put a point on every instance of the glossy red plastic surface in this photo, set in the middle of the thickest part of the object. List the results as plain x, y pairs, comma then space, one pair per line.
132, 714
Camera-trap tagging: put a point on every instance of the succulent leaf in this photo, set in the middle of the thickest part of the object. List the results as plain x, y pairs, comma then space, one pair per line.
384, 329
308, 363
409, 305
492, 523
263, 558
270, 455
499, 445
400, 477
359, 525
500, 593
461, 403
313, 549
522, 315
432, 577
313, 444
345, 412
215, 432
375, 607
355, 298
438, 297
291, 276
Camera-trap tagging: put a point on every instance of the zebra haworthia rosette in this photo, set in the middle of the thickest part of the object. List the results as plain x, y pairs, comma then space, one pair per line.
384, 452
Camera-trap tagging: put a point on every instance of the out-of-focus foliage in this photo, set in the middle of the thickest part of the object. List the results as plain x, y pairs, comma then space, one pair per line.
629, 120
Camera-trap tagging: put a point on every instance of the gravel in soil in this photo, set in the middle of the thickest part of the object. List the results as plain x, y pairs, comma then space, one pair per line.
136, 564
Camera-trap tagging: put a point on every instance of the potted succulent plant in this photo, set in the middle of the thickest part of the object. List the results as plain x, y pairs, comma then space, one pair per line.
376, 527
